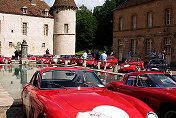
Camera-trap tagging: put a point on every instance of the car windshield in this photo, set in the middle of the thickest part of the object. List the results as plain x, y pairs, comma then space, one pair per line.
157, 62
110, 58
156, 80
47, 56
132, 60
89, 57
69, 79
66, 57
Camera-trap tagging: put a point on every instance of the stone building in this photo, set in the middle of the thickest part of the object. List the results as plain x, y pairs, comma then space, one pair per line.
64, 12
25, 20
30, 20
143, 26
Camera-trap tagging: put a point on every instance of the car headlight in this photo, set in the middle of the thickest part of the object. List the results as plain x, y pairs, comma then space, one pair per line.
43, 59
151, 114
127, 65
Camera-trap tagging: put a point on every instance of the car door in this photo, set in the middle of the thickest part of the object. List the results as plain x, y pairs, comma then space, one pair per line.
28, 95
129, 87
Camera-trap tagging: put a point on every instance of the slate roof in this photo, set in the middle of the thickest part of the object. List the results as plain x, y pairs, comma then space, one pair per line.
129, 3
15, 7
64, 3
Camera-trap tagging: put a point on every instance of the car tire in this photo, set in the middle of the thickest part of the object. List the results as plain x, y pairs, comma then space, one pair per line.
168, 112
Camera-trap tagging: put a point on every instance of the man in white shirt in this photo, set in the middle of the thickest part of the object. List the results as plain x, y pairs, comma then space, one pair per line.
103, 57
84, 56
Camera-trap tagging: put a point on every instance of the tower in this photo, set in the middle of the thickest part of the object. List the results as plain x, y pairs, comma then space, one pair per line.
64, 13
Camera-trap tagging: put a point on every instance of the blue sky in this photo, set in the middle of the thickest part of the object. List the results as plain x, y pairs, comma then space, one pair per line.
89, 3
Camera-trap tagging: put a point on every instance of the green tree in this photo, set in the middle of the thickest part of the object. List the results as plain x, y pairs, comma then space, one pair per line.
86, 25
104, 16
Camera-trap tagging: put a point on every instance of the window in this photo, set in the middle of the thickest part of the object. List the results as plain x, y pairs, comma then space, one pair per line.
10, 44
168, 16
46, 13
65, 28
43, 45
131, 81
133, 22
24, 28
133, 46
120, 42
148, 46
24, 11
149, 20
46, 30
167, 41
120, 24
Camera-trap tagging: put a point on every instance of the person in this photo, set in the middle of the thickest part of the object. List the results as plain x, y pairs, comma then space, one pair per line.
87, 51
129, 53
97, 54
84, 56
47, 51
153, 54
160, 55
103, 57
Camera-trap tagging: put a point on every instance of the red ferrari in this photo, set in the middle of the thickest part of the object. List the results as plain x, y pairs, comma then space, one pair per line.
69, 58
46, 59
110, 61
63, 92
157, 89
132, 64
89, 61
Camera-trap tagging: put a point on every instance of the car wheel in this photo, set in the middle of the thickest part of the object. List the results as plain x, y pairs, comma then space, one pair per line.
170, 114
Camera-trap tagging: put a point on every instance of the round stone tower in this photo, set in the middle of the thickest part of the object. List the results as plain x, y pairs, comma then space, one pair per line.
64, 12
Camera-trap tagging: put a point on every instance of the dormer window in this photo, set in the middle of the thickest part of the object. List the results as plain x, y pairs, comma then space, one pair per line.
24, 9
46, 12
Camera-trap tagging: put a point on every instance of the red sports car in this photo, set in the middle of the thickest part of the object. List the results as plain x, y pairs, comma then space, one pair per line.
46, 59
69, 58
5, 60
110, 61
31, 57
63, 92
157, 89
132, 64
89, 61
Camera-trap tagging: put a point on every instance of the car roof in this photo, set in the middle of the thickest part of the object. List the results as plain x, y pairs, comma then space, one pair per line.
62, 68
143, 72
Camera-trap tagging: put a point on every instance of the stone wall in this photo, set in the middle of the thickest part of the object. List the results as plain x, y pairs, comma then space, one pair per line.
11, 31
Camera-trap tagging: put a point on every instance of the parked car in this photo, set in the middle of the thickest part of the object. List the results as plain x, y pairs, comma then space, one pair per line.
89, 61
110, 61
67, 92
69, 58
5, 60
55, 58
132, 64
157, 89
158, 65
31, 57
46, 59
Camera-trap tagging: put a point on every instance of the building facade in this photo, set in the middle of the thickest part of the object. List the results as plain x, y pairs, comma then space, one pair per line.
144, 26
25, 20
41, 26
64, 13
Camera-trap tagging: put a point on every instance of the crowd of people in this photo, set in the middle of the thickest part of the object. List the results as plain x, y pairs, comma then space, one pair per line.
96, 55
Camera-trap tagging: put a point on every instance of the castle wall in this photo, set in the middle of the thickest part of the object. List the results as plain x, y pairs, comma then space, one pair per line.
64, 42
11, 30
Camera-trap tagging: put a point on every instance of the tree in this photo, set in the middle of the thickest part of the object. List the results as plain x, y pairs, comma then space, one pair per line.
86, 25
104, 16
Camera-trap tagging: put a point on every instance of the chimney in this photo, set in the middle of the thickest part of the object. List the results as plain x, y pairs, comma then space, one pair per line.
33, 2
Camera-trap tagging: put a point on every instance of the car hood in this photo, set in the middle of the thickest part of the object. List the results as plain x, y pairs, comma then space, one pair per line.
88, 100
130, 63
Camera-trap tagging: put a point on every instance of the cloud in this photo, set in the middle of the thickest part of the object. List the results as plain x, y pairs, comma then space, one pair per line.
90, 4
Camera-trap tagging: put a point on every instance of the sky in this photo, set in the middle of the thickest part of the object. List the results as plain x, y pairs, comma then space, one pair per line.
90, 4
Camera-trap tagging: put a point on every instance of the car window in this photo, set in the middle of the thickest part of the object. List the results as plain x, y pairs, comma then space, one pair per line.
131, 80
69, 78
156, 80
34, 80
